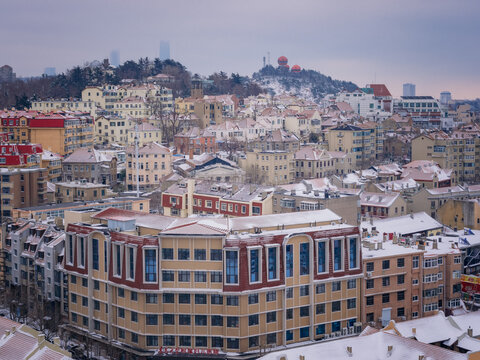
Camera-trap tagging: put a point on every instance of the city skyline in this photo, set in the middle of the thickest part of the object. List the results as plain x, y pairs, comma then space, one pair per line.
428, 43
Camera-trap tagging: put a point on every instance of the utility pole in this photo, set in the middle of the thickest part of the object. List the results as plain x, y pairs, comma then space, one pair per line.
136, 159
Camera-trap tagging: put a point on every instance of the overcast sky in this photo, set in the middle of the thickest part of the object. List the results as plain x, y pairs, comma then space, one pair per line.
433, 44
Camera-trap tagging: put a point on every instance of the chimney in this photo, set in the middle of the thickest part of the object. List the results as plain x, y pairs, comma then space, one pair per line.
470, 331
395, 238
421, 357
56, 340
411, 215
389, 350
7, 332
435, 245
349, 351
384, 237
41, 338
414, 331
301, 357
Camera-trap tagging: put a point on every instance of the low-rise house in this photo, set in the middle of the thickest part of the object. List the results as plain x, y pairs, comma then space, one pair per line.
382, 205
71, 191
92, 165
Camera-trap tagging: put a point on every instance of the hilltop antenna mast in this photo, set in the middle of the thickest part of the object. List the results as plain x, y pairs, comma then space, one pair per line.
268, 54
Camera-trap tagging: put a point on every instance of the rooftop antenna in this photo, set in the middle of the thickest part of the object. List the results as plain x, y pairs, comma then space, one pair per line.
264, 61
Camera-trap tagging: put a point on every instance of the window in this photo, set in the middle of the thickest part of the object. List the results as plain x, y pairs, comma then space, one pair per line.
95, 254
253, 320
385, 298
353, 253
168, 319
185, 340
271, 338
168, 340
184, 319
231, 266
289, 293
414, 281
351, 303
304, 311
216, 254
74, 298
232, 300
200, 341
150, 261
320, 289
370, 266
217, 342
151, 298
289, 260
121, 292
321, 257
400, 295
153, 340
336, 285
415, 298
200, 276
400, 279
216, 299
351, 284
84, 282
320, 309
401, 262
272, 263
232, 321
304, 258
232, 343
456, 260
253, 299
370, 300
289, 314
415, 261
200, 298
217, 320
169, 275
271, 316
200, 320
183, 254
386, 264
117, 260
253, 341
336, 306
184, 276
304, 332
386, 281
167, 254
133, 296
289, 335
200, 254
216, 276
82, 252
133, 316
131, 263
96, 285
337, 255
304, 290
271, 296
121, 333
121, 313
168, 298
254, 265
184, 298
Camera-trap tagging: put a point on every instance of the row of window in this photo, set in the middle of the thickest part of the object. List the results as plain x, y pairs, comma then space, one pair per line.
198, 254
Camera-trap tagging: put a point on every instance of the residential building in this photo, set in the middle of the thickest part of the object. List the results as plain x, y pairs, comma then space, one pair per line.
67, 192
60, 132
428, 174
382, 205
406, 275
231, 285
366, 143
208, 197
454, 151
314, 163
209, 167
424, 110
20, 341
22, 188
92, 165
46, 106
195, 141
20, 155
459, 214
111, 129
53, 163
317, 194
362, 101
58, 210
34, 268
145, 133
154, 162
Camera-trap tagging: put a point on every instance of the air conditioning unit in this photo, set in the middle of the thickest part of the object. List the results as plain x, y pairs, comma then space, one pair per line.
344, 331
369, 274
327, 336
403, 318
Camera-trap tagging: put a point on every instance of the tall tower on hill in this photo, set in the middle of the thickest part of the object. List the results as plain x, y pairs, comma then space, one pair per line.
196, 90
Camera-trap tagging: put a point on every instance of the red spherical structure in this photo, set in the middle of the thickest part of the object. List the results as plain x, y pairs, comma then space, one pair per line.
282, 60
296, 68
286, 66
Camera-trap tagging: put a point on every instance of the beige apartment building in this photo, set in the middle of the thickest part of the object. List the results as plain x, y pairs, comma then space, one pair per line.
456, 151
110, 129
154, 162
410, 271
66, 192
64, 104
365, 141
212, 286
146, 133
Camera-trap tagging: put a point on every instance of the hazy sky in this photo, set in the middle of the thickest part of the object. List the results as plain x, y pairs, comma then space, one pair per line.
433, 44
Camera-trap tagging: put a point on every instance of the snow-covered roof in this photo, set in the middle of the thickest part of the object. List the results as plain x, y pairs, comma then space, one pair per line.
404, 225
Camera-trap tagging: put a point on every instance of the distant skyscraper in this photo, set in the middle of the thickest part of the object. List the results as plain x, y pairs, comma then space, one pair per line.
408, 89
445, 97
164, 50
50, 71
115, 58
